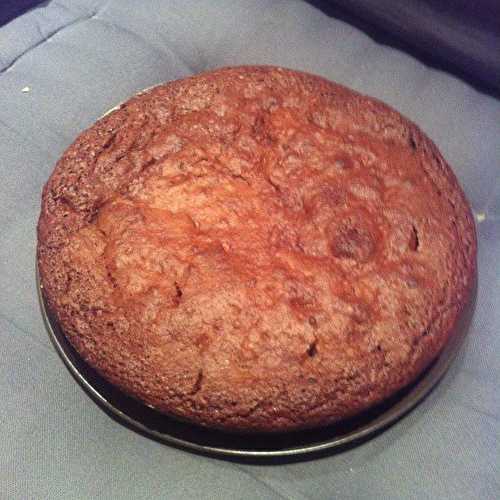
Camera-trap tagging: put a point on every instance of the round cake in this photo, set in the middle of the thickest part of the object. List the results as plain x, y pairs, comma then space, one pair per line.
256, 249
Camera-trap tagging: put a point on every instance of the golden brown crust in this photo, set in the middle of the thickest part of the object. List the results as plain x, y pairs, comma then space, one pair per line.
256, 248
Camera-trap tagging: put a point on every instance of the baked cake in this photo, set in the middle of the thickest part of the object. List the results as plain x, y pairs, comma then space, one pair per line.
256, 249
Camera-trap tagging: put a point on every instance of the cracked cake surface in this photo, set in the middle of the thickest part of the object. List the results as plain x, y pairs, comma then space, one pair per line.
256, 249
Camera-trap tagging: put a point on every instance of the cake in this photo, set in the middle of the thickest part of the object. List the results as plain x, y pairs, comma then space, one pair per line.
256, 249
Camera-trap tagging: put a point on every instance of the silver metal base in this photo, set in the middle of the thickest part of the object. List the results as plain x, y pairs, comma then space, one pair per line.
141, 418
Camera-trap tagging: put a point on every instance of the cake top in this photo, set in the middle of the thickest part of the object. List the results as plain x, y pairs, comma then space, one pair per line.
256, 248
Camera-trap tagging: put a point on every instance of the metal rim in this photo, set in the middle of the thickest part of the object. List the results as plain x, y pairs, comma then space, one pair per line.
315, 442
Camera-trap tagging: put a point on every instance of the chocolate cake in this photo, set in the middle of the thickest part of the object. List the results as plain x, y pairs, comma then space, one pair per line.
256, 249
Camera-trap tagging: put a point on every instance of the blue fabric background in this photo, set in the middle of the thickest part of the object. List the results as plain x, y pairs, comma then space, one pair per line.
75, 60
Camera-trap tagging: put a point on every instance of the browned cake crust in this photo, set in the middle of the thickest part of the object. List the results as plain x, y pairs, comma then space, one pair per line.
256, 248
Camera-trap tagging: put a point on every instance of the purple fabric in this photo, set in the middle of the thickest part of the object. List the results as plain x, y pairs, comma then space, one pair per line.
462, 36
9, 9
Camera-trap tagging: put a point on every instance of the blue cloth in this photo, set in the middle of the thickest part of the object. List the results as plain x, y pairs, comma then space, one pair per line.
62, 65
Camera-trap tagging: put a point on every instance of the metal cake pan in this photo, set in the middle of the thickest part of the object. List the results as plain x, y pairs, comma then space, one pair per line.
162, 428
